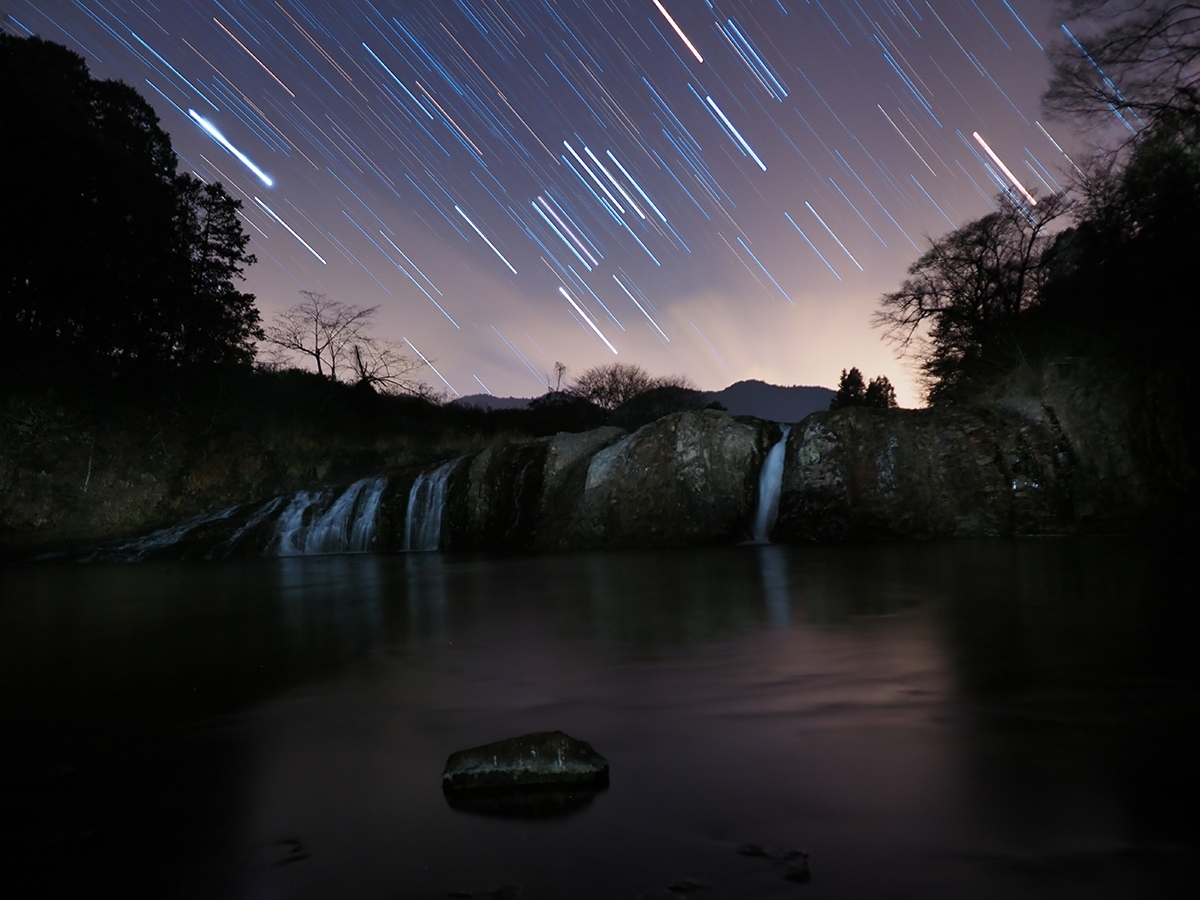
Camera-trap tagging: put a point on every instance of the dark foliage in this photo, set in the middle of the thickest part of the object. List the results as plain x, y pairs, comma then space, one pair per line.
1135, 60
880, 394
1126, 276
113, 262
853, 391
653, 404
615, 384
959, 309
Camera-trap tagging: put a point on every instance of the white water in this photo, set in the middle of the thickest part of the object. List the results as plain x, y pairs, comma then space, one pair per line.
426, 502
325, 523
770, 482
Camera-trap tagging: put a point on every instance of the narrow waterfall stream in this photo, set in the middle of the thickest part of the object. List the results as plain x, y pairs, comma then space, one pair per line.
426, 500
770, 482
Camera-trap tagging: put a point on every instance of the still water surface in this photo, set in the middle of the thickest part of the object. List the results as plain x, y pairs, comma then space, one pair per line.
944, 720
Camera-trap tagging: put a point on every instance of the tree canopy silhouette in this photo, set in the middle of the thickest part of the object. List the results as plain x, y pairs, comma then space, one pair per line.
335, 337
1135, 59
113, 261
614, 384
853, 390
1126, 273
959, 308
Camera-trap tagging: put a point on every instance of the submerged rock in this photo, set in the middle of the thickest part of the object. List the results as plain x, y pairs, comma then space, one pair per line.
540, 759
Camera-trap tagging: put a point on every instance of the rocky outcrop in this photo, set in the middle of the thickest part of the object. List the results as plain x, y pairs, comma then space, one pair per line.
861, 474
1058, 448
1134, 437
543, 758
688, 479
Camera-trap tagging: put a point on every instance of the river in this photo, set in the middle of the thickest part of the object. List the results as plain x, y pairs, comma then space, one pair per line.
941, 720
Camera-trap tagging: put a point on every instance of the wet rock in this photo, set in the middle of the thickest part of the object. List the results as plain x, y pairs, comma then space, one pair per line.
689, 479
856, 474
673, 891
493, 498
563, 479
540, 759
795, 862
293, 851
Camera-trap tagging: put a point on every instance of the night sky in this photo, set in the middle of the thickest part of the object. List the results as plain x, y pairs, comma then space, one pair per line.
717, 189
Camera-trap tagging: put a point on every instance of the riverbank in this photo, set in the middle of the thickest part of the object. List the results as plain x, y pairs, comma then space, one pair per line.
1062, 447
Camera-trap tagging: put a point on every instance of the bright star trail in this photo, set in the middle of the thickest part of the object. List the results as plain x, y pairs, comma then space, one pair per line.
558, 171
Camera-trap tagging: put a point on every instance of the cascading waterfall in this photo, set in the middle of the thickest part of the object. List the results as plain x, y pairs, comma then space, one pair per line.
426, 501
327, 523
770, 483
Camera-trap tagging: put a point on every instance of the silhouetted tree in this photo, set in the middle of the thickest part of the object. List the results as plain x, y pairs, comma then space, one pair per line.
111, 259
880, 394
854, 391
321, 329
1127, 272
851, 390
959, 308
609, 386
335, 337
1137, 59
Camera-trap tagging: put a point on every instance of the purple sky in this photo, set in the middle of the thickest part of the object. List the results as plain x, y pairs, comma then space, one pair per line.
515, 183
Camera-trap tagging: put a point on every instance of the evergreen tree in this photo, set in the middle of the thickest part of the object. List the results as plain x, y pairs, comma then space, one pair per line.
880, 394
113, 262
852, 390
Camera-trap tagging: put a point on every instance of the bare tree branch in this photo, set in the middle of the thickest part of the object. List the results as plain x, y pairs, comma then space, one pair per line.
609, 386
321, 329
965, 293
334, 337
1127, 61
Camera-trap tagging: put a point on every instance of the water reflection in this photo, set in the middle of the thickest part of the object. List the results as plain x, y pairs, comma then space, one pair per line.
990, 718
772, 561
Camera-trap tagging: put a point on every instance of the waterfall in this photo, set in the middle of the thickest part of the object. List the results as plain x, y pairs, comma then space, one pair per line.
426, 500
770, 482
327, 523
310, 522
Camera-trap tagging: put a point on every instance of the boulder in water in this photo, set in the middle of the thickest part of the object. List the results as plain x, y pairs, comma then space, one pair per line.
689, 479
543, 758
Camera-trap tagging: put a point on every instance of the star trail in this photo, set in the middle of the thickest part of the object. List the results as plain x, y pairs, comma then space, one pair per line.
715, 188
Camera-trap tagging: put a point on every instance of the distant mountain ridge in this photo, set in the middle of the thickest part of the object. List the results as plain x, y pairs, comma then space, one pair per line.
773, 402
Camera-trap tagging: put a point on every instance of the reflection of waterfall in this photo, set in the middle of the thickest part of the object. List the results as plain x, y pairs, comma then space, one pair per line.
772, 562
325, 523
426, 500
770, 481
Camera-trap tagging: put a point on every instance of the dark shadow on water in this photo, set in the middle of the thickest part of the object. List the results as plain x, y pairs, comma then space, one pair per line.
972, 718
534, 802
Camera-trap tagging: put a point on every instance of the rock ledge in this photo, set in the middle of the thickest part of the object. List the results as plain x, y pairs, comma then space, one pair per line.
541, 758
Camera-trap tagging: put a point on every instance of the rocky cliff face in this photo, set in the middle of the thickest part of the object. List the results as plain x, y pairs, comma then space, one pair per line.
1056, 449
1134, 438
860, 474
687, 479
